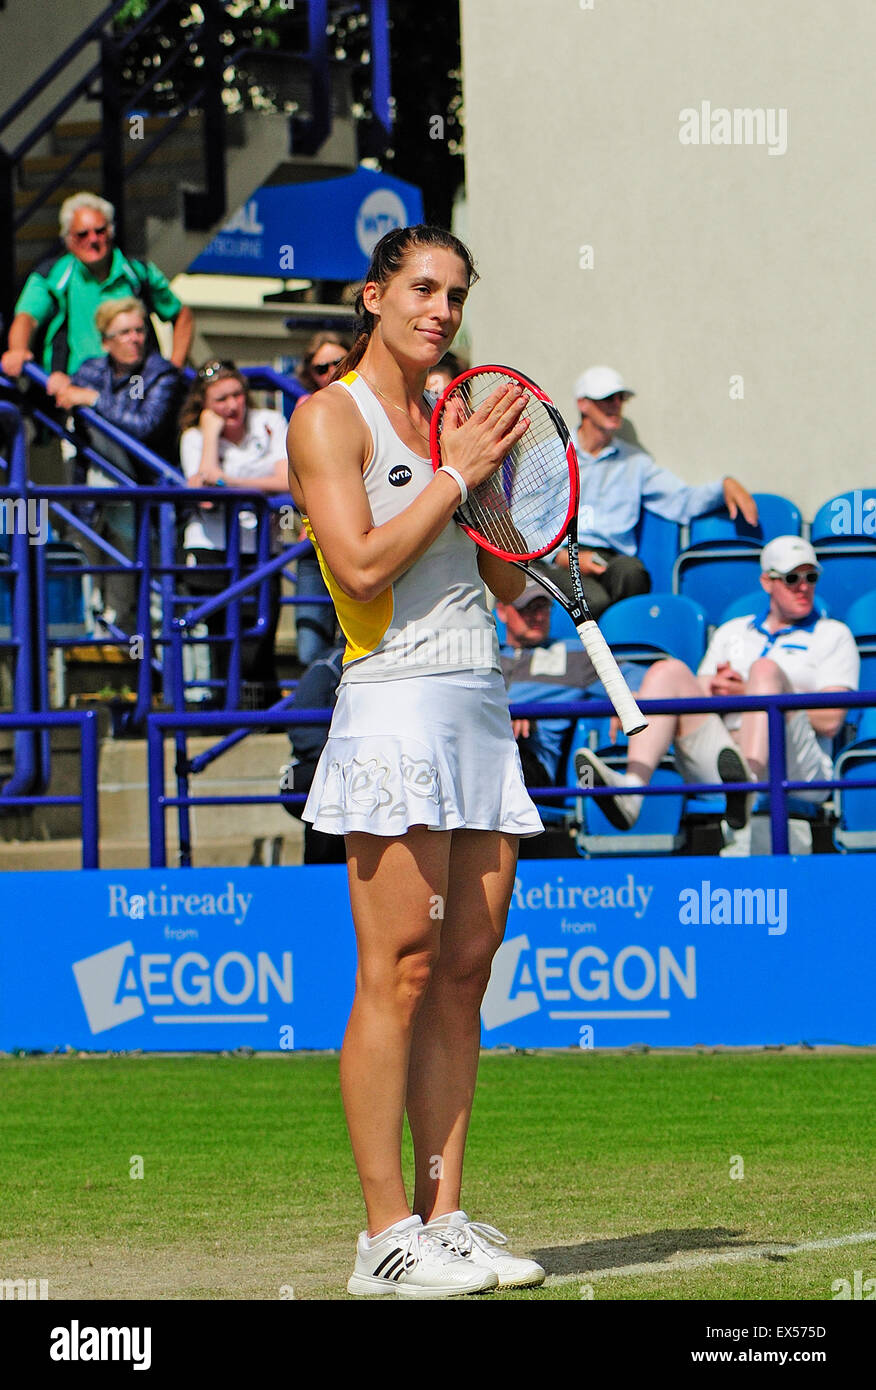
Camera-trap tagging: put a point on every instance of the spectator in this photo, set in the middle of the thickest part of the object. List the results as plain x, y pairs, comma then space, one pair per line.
55, 313
315, 624
786, 647
440, 377
226, 443
617, 481
317, 689
133, 388
139, 391
529, 676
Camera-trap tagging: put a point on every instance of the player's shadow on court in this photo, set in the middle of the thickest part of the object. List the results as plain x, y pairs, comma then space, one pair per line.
650, 1248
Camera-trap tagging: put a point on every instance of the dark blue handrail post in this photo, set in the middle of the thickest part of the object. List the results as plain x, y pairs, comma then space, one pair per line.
89, 791
112, 163
167, 558
203, 208
30, 677
184, 820
155, 780
381, 88
778, 791
234, 619
144, 617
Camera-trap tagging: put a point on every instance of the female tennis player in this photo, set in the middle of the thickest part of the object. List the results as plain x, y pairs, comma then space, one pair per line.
420, 772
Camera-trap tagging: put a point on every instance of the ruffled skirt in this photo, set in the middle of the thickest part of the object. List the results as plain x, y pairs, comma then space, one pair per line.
422, 750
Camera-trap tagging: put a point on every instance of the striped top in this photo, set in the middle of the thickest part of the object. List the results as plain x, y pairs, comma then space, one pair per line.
434, 617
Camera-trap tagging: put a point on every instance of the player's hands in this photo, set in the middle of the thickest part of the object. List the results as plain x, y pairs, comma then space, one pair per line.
738, 499
520, 728
476, 447
726, 681
14, 359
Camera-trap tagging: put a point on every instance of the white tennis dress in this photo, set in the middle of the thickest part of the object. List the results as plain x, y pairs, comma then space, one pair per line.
421, 733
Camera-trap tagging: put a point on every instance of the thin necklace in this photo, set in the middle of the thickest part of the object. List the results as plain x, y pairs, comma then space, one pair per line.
394, 406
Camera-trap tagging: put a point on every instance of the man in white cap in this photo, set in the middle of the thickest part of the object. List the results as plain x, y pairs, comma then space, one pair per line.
785, 647
536, 669
619, 479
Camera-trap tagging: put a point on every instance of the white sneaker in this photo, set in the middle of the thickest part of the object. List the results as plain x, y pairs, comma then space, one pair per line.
410, 1261
621, 811
479, 1243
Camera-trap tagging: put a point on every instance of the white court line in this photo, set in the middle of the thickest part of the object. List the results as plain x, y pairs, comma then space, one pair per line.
684, 1262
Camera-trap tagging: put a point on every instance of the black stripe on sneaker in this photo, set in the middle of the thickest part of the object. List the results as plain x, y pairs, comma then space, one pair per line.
390, 1258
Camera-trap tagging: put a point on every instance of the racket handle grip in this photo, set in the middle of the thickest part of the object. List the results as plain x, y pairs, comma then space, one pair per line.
628, 712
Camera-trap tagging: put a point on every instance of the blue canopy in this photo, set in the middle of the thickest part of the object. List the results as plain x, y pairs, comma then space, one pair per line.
319, 230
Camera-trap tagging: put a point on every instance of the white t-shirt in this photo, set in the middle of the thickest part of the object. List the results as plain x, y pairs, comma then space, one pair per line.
817, 654
255, 456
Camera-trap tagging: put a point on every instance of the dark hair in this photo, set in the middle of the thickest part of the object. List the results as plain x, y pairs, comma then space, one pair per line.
319, 340
207, 376
387, 259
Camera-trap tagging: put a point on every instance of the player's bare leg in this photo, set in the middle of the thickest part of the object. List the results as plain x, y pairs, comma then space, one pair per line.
444, 1055
395, 885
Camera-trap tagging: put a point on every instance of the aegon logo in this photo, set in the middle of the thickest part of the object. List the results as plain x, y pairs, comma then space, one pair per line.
562, 975
399, 475
115, 989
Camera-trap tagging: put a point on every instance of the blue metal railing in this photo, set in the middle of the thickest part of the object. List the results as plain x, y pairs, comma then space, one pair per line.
87, 799
778, 785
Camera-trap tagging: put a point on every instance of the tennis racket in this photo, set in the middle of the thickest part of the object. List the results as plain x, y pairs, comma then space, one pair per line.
529, 506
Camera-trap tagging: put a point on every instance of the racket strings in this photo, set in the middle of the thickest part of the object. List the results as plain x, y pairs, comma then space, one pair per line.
522, 507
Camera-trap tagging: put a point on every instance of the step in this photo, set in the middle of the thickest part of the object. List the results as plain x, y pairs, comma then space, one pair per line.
251, 768
41, 855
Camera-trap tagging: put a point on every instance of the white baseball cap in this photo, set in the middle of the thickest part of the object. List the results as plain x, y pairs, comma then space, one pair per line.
785, 553
598, 382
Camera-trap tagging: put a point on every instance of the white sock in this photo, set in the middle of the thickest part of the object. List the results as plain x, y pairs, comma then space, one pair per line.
398, 1228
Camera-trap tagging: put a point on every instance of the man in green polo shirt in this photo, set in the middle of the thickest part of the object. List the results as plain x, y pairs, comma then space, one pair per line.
59, 299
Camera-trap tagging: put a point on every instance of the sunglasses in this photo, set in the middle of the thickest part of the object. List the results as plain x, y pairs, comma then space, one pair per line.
793, 579
324, 367
211, 368
90, 231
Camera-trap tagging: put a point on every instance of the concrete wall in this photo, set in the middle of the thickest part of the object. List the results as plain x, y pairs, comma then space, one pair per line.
32, 34
709, 262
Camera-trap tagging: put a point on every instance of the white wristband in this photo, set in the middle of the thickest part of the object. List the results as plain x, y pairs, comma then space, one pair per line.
458, 479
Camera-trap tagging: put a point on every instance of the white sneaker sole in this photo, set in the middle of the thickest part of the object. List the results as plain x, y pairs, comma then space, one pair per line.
367, 1286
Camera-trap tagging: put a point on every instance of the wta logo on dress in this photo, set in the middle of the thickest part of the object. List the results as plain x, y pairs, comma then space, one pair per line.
398, 476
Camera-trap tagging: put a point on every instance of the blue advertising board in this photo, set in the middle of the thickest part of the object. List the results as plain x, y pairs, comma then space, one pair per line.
667, 952
324, 229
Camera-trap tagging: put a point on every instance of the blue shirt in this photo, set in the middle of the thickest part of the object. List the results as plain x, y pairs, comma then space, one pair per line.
622, 479
144, 403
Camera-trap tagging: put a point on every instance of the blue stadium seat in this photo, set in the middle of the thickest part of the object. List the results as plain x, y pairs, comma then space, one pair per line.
844, 536
856, 828
651, 626
65, 593
861, 618
6, 582
777, 516
722, 555
657, 545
